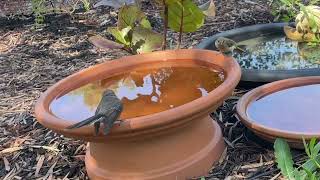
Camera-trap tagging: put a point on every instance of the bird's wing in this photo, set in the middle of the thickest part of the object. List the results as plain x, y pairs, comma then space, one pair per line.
110, 118
85, 122
230, 43
107, 101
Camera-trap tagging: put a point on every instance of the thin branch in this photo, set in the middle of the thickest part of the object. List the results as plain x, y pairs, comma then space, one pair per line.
165, 24
128, 49
181, 27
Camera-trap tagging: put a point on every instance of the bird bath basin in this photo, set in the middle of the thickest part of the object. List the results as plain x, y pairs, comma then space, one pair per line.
287, 109
269, 56
175, 139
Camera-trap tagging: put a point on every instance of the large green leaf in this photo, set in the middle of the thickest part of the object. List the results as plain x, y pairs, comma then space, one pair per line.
184, 14
312, 150
120, 35
310, 166
145, 40
131, 14
300, 175
284, 158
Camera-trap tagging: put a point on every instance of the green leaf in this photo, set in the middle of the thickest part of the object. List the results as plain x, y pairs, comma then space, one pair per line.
312, 143
313, 23
284, 158
310, 165
145, 40
286, 18
315, 150
313, 176
145, 23
300, 175
184, 14
131, 14
306, 148
308, 171
120, 35
313, 2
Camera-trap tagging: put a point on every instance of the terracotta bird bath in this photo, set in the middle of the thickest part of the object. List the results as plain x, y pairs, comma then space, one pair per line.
285, 109
177, 143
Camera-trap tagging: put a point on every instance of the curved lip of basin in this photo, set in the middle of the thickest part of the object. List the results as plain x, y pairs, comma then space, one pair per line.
266, 90
149, 123
253, 74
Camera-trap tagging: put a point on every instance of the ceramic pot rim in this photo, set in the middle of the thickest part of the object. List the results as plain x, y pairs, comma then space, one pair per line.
159, 120
265, 90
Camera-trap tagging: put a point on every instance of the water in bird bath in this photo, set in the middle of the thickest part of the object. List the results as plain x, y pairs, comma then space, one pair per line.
292, 110
142, 92
273, 52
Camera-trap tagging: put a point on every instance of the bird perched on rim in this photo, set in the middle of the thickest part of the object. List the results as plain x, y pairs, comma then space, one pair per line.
225, 45
107, 112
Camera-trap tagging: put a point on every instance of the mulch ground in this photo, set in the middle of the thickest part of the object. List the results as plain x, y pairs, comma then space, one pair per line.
32, 59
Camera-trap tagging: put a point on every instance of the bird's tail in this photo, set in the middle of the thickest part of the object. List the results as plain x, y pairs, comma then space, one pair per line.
84, 122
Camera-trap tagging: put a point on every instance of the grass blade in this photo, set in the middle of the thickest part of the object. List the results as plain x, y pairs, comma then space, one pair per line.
284, 158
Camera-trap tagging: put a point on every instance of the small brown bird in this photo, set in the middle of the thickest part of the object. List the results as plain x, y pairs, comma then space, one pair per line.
107, 112
225, 45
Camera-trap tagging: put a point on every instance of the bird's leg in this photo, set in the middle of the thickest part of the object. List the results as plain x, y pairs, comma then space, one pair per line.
96, 127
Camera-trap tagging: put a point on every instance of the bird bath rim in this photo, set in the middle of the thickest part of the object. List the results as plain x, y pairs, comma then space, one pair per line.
269, 133
252, 76
154, 123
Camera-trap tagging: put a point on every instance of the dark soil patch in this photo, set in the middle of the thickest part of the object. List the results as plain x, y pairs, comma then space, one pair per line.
32, 60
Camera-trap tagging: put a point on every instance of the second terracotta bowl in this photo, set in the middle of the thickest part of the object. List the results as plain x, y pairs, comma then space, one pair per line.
269, 133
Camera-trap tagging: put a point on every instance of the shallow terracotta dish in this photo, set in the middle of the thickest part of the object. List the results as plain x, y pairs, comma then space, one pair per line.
178, 143
288, 110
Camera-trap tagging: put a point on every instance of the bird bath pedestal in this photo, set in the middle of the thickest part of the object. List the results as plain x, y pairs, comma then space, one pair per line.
178, 143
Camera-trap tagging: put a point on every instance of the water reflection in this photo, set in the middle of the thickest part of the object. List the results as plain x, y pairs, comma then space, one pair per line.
142, 92
272, 52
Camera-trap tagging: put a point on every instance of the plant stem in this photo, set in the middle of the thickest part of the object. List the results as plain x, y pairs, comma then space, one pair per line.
181, 28
129, 50
165, 24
